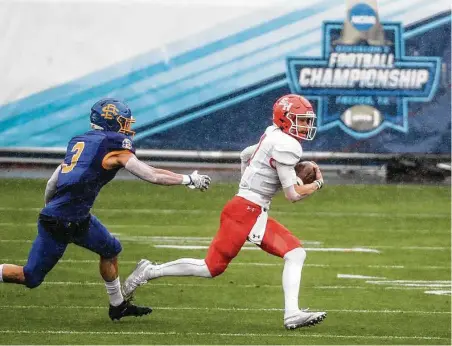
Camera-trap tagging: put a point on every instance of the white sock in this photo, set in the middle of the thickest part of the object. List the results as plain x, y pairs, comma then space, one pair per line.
291, 279
1, 272
181, 267
114, 292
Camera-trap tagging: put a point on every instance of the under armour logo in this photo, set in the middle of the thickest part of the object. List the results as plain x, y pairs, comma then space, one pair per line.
109, 111
256, 236
250, 208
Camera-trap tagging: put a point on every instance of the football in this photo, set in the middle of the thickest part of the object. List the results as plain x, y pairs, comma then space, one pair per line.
305, 170
362, 118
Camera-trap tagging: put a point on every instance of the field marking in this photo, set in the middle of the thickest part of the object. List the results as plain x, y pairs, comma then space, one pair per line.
251, 264
234, 309
204, 211
433, 248
350, 276
202, 247
91, 283
439, 292
199, 241
361, 248
385, 281
260, 335
409, 284
414, 283
325, 287
151, 226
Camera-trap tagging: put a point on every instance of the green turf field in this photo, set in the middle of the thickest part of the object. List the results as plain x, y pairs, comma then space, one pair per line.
405, 229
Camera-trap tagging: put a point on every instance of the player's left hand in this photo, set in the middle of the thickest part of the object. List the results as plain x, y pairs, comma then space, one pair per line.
318, 176
199, 181
318, 173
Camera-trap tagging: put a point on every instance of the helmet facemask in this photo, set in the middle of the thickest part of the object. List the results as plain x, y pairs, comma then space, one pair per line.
126, 125
304, 125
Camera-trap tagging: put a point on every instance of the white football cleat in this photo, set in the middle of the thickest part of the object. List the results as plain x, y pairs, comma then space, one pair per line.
137, 278
304, 318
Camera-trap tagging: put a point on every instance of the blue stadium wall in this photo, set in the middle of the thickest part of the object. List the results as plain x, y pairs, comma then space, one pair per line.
219, 96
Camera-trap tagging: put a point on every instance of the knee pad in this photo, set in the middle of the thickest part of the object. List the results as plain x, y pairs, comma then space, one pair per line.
33, 278
297, 255
112, 249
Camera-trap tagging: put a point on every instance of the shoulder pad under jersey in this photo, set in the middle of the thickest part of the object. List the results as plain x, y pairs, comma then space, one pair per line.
287, 151
119, 141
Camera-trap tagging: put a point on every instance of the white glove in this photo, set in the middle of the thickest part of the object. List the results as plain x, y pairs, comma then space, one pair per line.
199, 181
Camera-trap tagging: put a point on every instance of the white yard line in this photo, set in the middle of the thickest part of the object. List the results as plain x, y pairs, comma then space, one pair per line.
276, 212
92, 283
428, 284
181, 308
439, 292
412, 281
352, 276
361, 248
253, 286
250, 264
152, 227
196, 241
409, 284
259, 335
423, 248
203, 247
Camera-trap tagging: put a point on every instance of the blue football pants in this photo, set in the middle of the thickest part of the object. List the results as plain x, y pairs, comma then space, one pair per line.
46, 251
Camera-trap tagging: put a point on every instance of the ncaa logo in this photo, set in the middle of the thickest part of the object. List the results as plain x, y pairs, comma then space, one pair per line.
362, 17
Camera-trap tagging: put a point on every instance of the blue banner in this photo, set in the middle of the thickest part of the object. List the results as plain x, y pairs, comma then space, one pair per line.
377, 87
407, 110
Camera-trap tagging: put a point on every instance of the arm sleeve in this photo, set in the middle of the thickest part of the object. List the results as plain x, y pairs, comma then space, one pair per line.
245, 156
292, 195
151, 174
51, 186
288, 179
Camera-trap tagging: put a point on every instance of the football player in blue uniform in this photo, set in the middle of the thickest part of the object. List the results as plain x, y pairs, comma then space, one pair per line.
92, 160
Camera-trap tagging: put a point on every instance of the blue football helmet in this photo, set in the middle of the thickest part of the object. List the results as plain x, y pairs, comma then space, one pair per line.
112, 115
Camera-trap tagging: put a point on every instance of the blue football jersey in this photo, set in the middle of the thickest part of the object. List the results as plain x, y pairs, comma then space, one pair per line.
82, 175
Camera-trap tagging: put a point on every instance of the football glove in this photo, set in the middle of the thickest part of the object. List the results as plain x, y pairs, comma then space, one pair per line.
199, 181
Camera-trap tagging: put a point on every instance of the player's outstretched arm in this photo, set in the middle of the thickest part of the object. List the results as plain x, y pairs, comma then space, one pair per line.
51, 186
154, 175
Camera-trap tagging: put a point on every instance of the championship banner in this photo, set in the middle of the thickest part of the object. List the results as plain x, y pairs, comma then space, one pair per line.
376, 72
364, 81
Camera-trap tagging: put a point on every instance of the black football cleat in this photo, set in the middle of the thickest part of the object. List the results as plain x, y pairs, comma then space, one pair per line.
126, 308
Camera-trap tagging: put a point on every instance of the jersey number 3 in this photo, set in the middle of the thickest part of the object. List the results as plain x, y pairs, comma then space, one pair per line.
77, 149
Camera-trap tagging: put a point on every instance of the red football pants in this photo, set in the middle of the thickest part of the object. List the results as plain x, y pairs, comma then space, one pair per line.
237, 219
